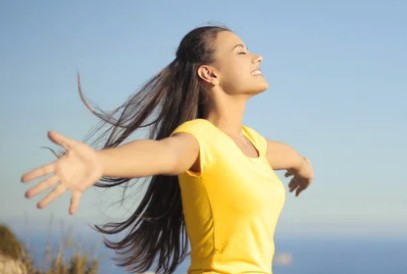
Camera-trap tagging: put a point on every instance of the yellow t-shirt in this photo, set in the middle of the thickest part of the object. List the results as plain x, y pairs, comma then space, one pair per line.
232, 206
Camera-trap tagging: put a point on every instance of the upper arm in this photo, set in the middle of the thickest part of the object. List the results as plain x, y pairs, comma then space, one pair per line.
281, 156
183, 151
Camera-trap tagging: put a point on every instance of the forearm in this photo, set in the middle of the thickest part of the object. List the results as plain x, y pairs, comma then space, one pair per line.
136, 159
282, 156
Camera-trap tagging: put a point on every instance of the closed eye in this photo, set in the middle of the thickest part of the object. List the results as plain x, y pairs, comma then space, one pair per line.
242, 53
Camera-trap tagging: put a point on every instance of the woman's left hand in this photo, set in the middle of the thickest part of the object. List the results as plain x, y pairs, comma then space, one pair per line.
302, 177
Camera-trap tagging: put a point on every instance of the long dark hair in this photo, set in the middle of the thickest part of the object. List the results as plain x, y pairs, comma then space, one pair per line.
155, 233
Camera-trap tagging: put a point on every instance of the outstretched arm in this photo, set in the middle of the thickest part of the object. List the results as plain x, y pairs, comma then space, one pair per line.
81, 166
282, 156
170, 156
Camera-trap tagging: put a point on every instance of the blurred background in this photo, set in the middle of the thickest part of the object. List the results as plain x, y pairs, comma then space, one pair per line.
338, 92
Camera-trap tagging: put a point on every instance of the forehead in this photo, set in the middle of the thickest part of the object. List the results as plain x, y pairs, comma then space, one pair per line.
226, 40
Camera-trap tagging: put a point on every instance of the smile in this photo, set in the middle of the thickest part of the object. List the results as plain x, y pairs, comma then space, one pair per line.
256, 72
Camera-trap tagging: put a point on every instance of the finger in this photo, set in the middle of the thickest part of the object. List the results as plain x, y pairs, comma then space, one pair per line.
293, 183
38, 172
61, 140
58, 191
298, 191
294, 188
74, 202
41, 186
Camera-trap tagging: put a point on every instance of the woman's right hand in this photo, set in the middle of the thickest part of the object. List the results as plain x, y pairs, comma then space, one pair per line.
76, 170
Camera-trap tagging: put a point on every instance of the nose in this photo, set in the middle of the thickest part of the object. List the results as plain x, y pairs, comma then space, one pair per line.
257, 58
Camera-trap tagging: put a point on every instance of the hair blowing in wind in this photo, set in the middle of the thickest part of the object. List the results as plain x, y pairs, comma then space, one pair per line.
155, 232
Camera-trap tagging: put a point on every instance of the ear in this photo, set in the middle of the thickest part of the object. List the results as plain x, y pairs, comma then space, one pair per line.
208, 74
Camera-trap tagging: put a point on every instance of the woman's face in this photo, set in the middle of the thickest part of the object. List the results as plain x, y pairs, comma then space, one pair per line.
237, 68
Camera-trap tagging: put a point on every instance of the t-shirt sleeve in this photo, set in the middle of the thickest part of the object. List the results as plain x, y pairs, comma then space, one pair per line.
259, 140
198, 129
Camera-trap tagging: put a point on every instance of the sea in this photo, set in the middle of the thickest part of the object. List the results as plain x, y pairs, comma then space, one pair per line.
312, 254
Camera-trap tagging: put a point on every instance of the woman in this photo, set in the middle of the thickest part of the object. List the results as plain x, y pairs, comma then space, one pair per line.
210, 174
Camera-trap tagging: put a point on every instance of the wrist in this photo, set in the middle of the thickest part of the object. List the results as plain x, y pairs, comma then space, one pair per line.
301, 162
102, 158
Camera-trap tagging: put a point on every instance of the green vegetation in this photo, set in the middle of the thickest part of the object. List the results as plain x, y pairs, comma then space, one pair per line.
14, 258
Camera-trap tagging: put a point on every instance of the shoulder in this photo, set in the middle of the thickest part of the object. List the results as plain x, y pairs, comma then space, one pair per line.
196, 127
197, 133
251, 131
256, 137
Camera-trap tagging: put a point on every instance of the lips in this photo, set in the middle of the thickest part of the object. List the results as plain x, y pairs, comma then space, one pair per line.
256, 72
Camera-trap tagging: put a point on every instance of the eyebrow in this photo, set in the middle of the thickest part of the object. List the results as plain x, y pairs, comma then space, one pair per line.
239, 45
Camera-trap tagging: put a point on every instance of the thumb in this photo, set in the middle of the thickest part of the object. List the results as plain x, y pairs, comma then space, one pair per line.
61, 140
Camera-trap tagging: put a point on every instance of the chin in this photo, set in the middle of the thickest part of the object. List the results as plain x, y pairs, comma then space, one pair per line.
262, 87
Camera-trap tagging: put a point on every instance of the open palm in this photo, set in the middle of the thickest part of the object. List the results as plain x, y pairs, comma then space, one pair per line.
76, 170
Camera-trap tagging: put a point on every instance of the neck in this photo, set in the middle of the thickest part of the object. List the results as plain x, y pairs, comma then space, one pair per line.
227, 114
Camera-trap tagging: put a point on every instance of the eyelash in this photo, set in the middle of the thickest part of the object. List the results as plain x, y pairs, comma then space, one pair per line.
242, 53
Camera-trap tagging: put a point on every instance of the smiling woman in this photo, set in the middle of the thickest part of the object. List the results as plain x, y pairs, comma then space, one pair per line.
213, 180
237, 68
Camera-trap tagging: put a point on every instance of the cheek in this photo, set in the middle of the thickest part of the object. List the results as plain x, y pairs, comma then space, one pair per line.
235, 74
233, 81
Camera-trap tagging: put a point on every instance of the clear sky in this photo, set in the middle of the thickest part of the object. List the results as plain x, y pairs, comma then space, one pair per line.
338, 91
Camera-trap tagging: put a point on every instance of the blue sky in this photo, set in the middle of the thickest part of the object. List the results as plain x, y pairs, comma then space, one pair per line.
337, 74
